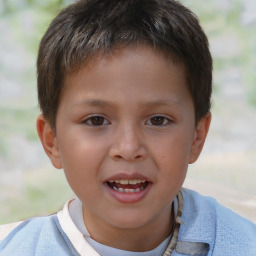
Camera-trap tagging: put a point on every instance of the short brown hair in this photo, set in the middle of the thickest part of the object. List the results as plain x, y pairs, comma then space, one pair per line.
89, 26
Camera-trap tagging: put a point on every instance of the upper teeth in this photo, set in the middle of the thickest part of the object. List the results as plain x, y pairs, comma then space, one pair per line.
124, 182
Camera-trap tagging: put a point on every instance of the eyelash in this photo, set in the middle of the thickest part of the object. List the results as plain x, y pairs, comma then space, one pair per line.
103, 121
166, 121
89, 120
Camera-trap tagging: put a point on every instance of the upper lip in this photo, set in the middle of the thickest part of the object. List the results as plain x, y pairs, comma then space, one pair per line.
128, 176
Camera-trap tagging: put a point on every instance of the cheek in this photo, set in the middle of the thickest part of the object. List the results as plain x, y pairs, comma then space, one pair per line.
173, 151
81, 151
172, 158
81, 161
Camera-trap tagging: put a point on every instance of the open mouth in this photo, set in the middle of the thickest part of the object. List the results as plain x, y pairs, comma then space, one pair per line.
128, 186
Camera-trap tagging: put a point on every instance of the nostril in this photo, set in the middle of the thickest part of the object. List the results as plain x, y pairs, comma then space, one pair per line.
131, 158
126, 152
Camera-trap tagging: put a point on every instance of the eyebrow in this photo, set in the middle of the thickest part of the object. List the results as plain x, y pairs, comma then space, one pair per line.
150, 103
157, 102
92, 102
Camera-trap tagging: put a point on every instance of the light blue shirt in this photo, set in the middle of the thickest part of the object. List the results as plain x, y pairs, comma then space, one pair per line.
76, 214
204, 222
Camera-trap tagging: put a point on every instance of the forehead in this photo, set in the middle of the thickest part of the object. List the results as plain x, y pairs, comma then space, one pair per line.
121, 51
132, 53
140, 69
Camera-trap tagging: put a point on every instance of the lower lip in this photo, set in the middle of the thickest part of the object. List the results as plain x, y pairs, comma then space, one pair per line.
128, 197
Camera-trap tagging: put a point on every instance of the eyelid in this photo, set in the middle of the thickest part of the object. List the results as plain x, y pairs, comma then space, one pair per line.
169, 120
89, 117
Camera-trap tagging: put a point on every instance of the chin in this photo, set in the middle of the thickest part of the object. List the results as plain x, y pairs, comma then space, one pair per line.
129, 220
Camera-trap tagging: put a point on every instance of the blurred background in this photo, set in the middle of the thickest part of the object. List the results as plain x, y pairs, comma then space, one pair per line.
30, 186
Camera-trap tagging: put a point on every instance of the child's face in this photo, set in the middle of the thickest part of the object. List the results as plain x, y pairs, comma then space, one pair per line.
128, 117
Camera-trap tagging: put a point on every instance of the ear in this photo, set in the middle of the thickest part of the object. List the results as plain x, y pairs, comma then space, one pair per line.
49, 141
199, 137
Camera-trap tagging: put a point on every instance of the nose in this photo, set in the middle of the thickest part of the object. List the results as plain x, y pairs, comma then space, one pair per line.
128, 144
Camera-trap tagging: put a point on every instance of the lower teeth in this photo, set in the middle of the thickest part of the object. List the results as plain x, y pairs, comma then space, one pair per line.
128, 190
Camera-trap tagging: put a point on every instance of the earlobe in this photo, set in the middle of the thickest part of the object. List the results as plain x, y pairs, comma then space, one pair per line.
49, 141
199, 137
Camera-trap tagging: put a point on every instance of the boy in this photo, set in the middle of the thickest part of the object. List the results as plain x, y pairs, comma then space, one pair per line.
124, 87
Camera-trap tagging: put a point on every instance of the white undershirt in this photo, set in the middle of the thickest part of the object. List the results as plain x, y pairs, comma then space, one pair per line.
76, 214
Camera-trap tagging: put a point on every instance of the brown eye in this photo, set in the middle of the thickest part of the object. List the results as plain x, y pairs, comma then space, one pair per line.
158, 121
96, 121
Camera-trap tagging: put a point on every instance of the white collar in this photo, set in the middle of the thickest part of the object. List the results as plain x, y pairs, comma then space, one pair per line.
71, 221
74, 235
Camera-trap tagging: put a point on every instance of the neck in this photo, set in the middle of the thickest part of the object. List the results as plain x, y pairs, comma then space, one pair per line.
138, 239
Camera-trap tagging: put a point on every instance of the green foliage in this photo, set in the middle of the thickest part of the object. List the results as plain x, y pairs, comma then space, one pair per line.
51, 6
252, 95
16, 121
36, 198
217, 23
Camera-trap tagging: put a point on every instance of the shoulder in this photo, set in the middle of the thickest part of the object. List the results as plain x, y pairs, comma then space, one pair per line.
36, 236
225, 231
7, 228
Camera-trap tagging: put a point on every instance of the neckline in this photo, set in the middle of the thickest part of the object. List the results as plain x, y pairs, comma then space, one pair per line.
84, 248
